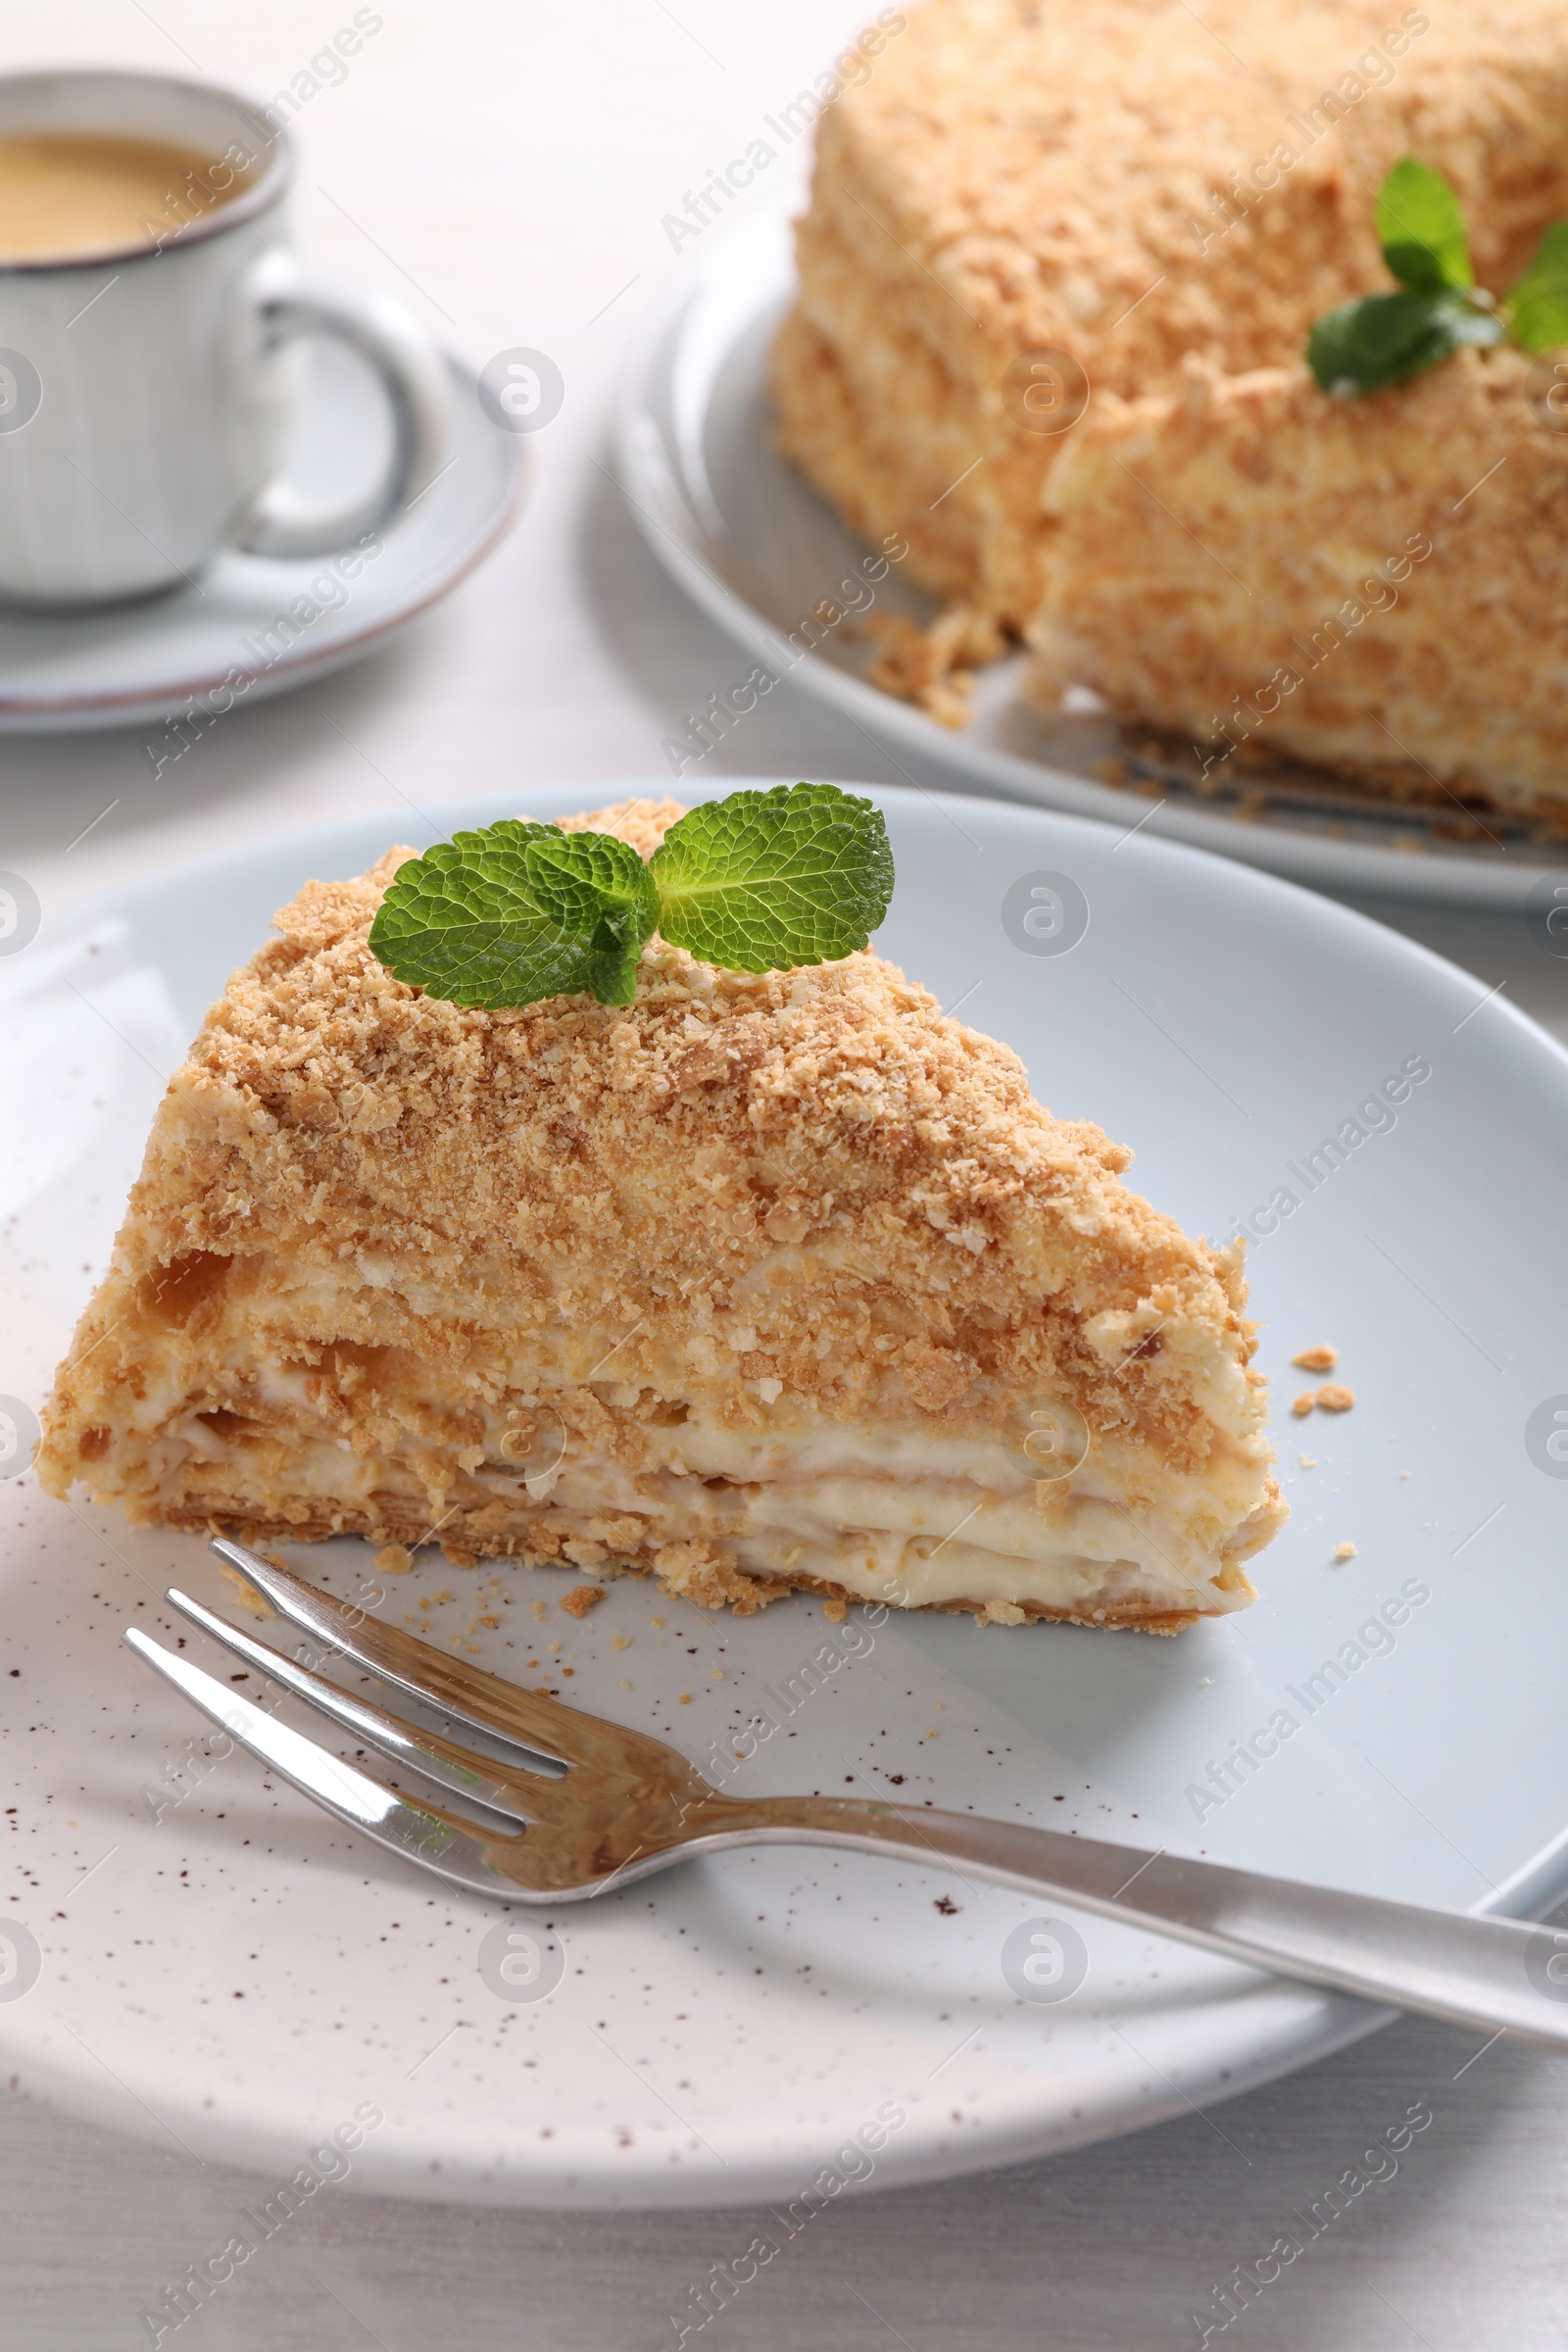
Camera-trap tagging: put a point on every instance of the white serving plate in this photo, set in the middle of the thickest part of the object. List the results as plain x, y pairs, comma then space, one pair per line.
180, 662
239, 1975
759, 550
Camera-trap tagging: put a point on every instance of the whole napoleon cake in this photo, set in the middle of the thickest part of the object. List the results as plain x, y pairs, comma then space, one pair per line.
751, 1280
1031, 221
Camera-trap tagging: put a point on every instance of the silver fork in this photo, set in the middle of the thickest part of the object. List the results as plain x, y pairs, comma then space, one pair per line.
572, 1806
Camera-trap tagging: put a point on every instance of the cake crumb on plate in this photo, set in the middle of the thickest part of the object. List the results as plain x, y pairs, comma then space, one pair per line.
248, 1595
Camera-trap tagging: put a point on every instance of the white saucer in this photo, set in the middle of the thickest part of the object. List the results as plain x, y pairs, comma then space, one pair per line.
237, 1974
755, 547
239, 632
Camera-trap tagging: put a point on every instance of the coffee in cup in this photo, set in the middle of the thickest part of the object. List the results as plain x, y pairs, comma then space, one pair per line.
64, 197
149, 293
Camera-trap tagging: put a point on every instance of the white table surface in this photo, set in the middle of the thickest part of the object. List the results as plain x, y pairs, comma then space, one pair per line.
506, 165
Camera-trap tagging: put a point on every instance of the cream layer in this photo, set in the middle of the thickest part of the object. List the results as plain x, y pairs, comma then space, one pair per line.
905, 1512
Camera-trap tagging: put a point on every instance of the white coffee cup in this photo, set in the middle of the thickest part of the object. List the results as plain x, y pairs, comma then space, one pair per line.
146, 390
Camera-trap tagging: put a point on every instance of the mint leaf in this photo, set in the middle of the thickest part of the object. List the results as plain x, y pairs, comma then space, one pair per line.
1538, 306
577, 876
591, 882
1421, 229
760, 882
466, 923
1384, 338
765, 881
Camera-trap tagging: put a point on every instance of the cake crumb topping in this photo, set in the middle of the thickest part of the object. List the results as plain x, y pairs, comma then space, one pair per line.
821, 1146
391, 1262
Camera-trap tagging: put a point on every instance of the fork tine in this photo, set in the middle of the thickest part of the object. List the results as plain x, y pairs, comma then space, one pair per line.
466, 1693
455, 1850
478, 1777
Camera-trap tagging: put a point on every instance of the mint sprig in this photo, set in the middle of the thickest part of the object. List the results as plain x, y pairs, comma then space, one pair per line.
758, 882
1537, 308
1382, 339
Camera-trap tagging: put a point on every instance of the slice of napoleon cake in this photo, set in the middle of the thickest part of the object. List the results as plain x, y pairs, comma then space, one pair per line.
762, 1279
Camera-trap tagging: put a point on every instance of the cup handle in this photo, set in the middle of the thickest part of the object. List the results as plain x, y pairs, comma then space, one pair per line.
285, 305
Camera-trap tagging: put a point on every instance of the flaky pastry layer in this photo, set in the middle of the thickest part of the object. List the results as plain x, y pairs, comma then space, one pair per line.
732, 1244
1379, 586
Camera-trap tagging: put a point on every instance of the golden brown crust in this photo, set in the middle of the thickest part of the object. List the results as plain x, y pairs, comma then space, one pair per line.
1121, 185
1020, 177
1265, 565
808, 1186
331, 1113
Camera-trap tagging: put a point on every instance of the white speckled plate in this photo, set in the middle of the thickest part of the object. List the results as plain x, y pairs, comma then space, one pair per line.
204, 1960
753, 544
252, 625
